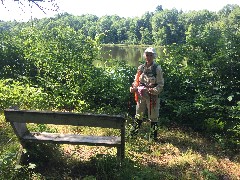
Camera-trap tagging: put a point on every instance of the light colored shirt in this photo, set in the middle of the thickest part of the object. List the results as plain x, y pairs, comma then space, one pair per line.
149, 80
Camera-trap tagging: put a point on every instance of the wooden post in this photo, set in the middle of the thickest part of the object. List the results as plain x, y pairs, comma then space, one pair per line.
20, 129
123, 140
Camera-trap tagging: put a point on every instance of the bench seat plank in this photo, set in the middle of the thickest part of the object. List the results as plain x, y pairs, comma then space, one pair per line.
64, 118
110, 141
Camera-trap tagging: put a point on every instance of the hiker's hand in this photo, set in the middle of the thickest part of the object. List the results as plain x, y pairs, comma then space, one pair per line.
151, 90
133, 89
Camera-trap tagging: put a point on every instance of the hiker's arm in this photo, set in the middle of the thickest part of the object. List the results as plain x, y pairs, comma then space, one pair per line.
134, 86
133, 89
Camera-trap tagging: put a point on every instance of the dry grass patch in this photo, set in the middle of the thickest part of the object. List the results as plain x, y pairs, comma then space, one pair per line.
184, 155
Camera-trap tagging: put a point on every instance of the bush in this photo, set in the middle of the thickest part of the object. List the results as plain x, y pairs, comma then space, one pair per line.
15, 93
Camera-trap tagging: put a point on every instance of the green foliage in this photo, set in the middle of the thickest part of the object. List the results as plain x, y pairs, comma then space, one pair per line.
58, 63
209, 175
167, 28
7, 169
15, 93
9, 155
50, 65
201, 79
115, 82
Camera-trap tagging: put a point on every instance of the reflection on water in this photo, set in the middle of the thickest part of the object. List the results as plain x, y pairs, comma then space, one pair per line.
133, 55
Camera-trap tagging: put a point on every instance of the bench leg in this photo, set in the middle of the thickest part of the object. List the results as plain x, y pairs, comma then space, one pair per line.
120, 153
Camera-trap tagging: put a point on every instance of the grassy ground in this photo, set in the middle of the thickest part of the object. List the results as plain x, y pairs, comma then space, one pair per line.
178, 154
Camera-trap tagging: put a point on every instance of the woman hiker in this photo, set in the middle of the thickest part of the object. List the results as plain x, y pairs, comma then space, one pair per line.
147, 86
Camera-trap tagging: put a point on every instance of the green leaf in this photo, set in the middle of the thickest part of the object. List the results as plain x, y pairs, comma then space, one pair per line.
230, 97
31, 166
18, 167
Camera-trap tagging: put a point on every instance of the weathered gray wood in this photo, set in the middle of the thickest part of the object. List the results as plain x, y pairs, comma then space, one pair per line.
110, 141
122, 148
64, 118
19, 118
19, 128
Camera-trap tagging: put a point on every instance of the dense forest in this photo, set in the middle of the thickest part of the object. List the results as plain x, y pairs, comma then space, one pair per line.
48, 64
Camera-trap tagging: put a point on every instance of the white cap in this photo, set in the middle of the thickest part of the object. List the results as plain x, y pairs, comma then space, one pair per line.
150, 50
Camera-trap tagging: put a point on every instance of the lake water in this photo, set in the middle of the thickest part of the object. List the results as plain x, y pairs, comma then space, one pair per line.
133, 55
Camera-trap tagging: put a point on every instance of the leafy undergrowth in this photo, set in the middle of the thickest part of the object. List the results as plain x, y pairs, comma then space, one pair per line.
177, 154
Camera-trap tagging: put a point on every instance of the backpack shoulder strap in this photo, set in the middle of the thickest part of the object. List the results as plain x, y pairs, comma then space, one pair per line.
154, 69
141, 67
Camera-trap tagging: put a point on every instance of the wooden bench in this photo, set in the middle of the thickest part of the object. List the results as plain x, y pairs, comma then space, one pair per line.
19, 118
